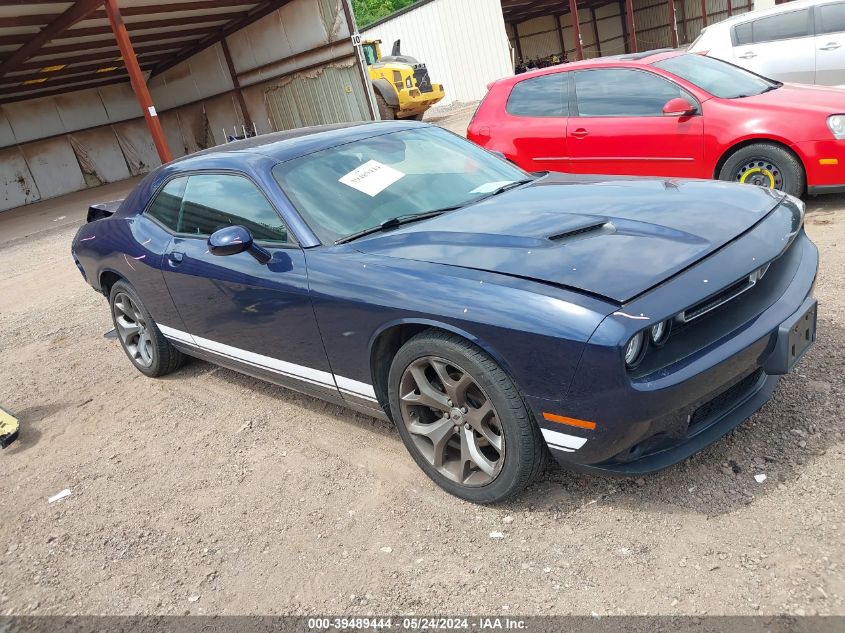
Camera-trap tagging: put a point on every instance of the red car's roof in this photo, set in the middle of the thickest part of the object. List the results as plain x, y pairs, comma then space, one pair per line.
633, 60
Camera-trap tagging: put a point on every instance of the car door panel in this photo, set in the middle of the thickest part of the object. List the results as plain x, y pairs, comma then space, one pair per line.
620, 132
257, 315
793, 62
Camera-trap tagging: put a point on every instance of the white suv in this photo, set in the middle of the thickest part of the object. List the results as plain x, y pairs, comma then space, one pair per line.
799, 42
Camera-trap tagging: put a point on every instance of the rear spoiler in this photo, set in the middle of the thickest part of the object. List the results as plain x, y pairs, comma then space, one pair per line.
102, 210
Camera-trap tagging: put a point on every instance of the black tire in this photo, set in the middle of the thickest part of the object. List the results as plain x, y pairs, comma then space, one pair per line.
777, 166
525, 451
165, 358
384, 110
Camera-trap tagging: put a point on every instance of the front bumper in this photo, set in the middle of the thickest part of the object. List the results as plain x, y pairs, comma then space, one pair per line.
824, 162
648, 423
412, 101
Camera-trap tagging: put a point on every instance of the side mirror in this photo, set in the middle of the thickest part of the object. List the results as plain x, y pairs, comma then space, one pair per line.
233, 240
679, 107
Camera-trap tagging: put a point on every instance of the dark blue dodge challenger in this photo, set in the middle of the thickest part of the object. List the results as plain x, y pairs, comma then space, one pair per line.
495, 316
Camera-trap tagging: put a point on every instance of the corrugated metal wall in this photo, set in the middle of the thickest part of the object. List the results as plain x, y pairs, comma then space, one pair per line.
325, 94
539, 37
462, 42
57, 145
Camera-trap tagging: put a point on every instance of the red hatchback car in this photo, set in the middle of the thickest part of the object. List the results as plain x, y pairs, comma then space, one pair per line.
668, 114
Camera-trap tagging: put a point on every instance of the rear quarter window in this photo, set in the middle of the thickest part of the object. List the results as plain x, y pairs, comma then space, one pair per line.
546, 96
167, 203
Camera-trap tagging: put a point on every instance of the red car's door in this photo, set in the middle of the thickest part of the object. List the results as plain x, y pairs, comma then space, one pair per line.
620, 127
535, 122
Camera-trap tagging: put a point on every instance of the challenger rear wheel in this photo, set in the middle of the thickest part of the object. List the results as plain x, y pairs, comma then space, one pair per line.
143, 342
462, 418
765, 165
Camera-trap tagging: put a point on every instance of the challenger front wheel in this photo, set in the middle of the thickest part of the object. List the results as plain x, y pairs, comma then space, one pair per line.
462, 418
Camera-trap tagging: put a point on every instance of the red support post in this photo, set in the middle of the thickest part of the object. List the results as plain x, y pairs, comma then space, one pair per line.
704, 12
576, 29
136, 77
632, 29
673, 24
730, 8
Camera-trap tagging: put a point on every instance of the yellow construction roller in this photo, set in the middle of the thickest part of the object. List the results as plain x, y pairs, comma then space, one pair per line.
8, 428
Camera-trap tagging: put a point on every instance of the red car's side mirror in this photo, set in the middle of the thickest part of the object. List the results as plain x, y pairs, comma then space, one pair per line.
679, 107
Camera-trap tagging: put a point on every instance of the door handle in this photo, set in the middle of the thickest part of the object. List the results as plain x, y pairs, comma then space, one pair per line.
580, 133
176, 257
830, 46
748, 55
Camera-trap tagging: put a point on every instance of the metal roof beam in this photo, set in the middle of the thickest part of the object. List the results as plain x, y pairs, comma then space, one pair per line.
8, 86
78, 11
150, 9
89, 69
110, 51
40, 19
31, 91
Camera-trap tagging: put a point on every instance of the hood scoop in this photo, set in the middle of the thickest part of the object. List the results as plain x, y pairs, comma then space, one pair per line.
601, 227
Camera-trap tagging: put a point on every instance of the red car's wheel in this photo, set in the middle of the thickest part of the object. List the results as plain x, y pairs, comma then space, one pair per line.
765, 165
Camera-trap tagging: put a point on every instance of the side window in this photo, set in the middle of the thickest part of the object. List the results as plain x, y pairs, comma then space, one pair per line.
830, 18
546, 96
215, 201
781, 27
621, 92
165, 207
742, 34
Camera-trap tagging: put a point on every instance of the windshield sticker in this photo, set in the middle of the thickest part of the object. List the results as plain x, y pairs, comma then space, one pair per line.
372, 178
491, 186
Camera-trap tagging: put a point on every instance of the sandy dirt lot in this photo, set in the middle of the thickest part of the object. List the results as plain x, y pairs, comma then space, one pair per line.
212, 493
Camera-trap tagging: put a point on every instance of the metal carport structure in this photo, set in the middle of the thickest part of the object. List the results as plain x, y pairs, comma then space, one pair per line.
76, 78
592, 28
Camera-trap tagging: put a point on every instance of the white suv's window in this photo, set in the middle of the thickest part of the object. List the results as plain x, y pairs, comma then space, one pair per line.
830, 18
783, 26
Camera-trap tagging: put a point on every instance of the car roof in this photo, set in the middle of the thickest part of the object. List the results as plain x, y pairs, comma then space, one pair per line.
632, 60
290, 144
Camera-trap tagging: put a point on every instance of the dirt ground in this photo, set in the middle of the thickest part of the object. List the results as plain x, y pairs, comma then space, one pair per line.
213, 493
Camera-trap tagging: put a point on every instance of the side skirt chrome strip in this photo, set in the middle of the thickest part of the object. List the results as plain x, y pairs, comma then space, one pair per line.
274, 365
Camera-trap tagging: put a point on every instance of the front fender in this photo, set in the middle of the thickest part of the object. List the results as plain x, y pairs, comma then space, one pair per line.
536, 332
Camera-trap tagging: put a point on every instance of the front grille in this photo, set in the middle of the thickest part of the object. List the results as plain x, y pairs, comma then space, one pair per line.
423, 80
728, 294
705, 414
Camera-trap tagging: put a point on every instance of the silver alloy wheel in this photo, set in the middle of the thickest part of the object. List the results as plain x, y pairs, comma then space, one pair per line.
452, 422
133, 330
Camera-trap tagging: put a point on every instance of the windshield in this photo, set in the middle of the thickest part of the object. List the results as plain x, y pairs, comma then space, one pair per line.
346, 189
719, 78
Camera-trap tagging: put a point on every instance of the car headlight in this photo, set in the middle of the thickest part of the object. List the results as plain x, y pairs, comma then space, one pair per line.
634, 350
660, 332
836, 123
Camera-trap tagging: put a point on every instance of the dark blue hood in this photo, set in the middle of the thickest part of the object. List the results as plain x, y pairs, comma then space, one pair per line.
610, 236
